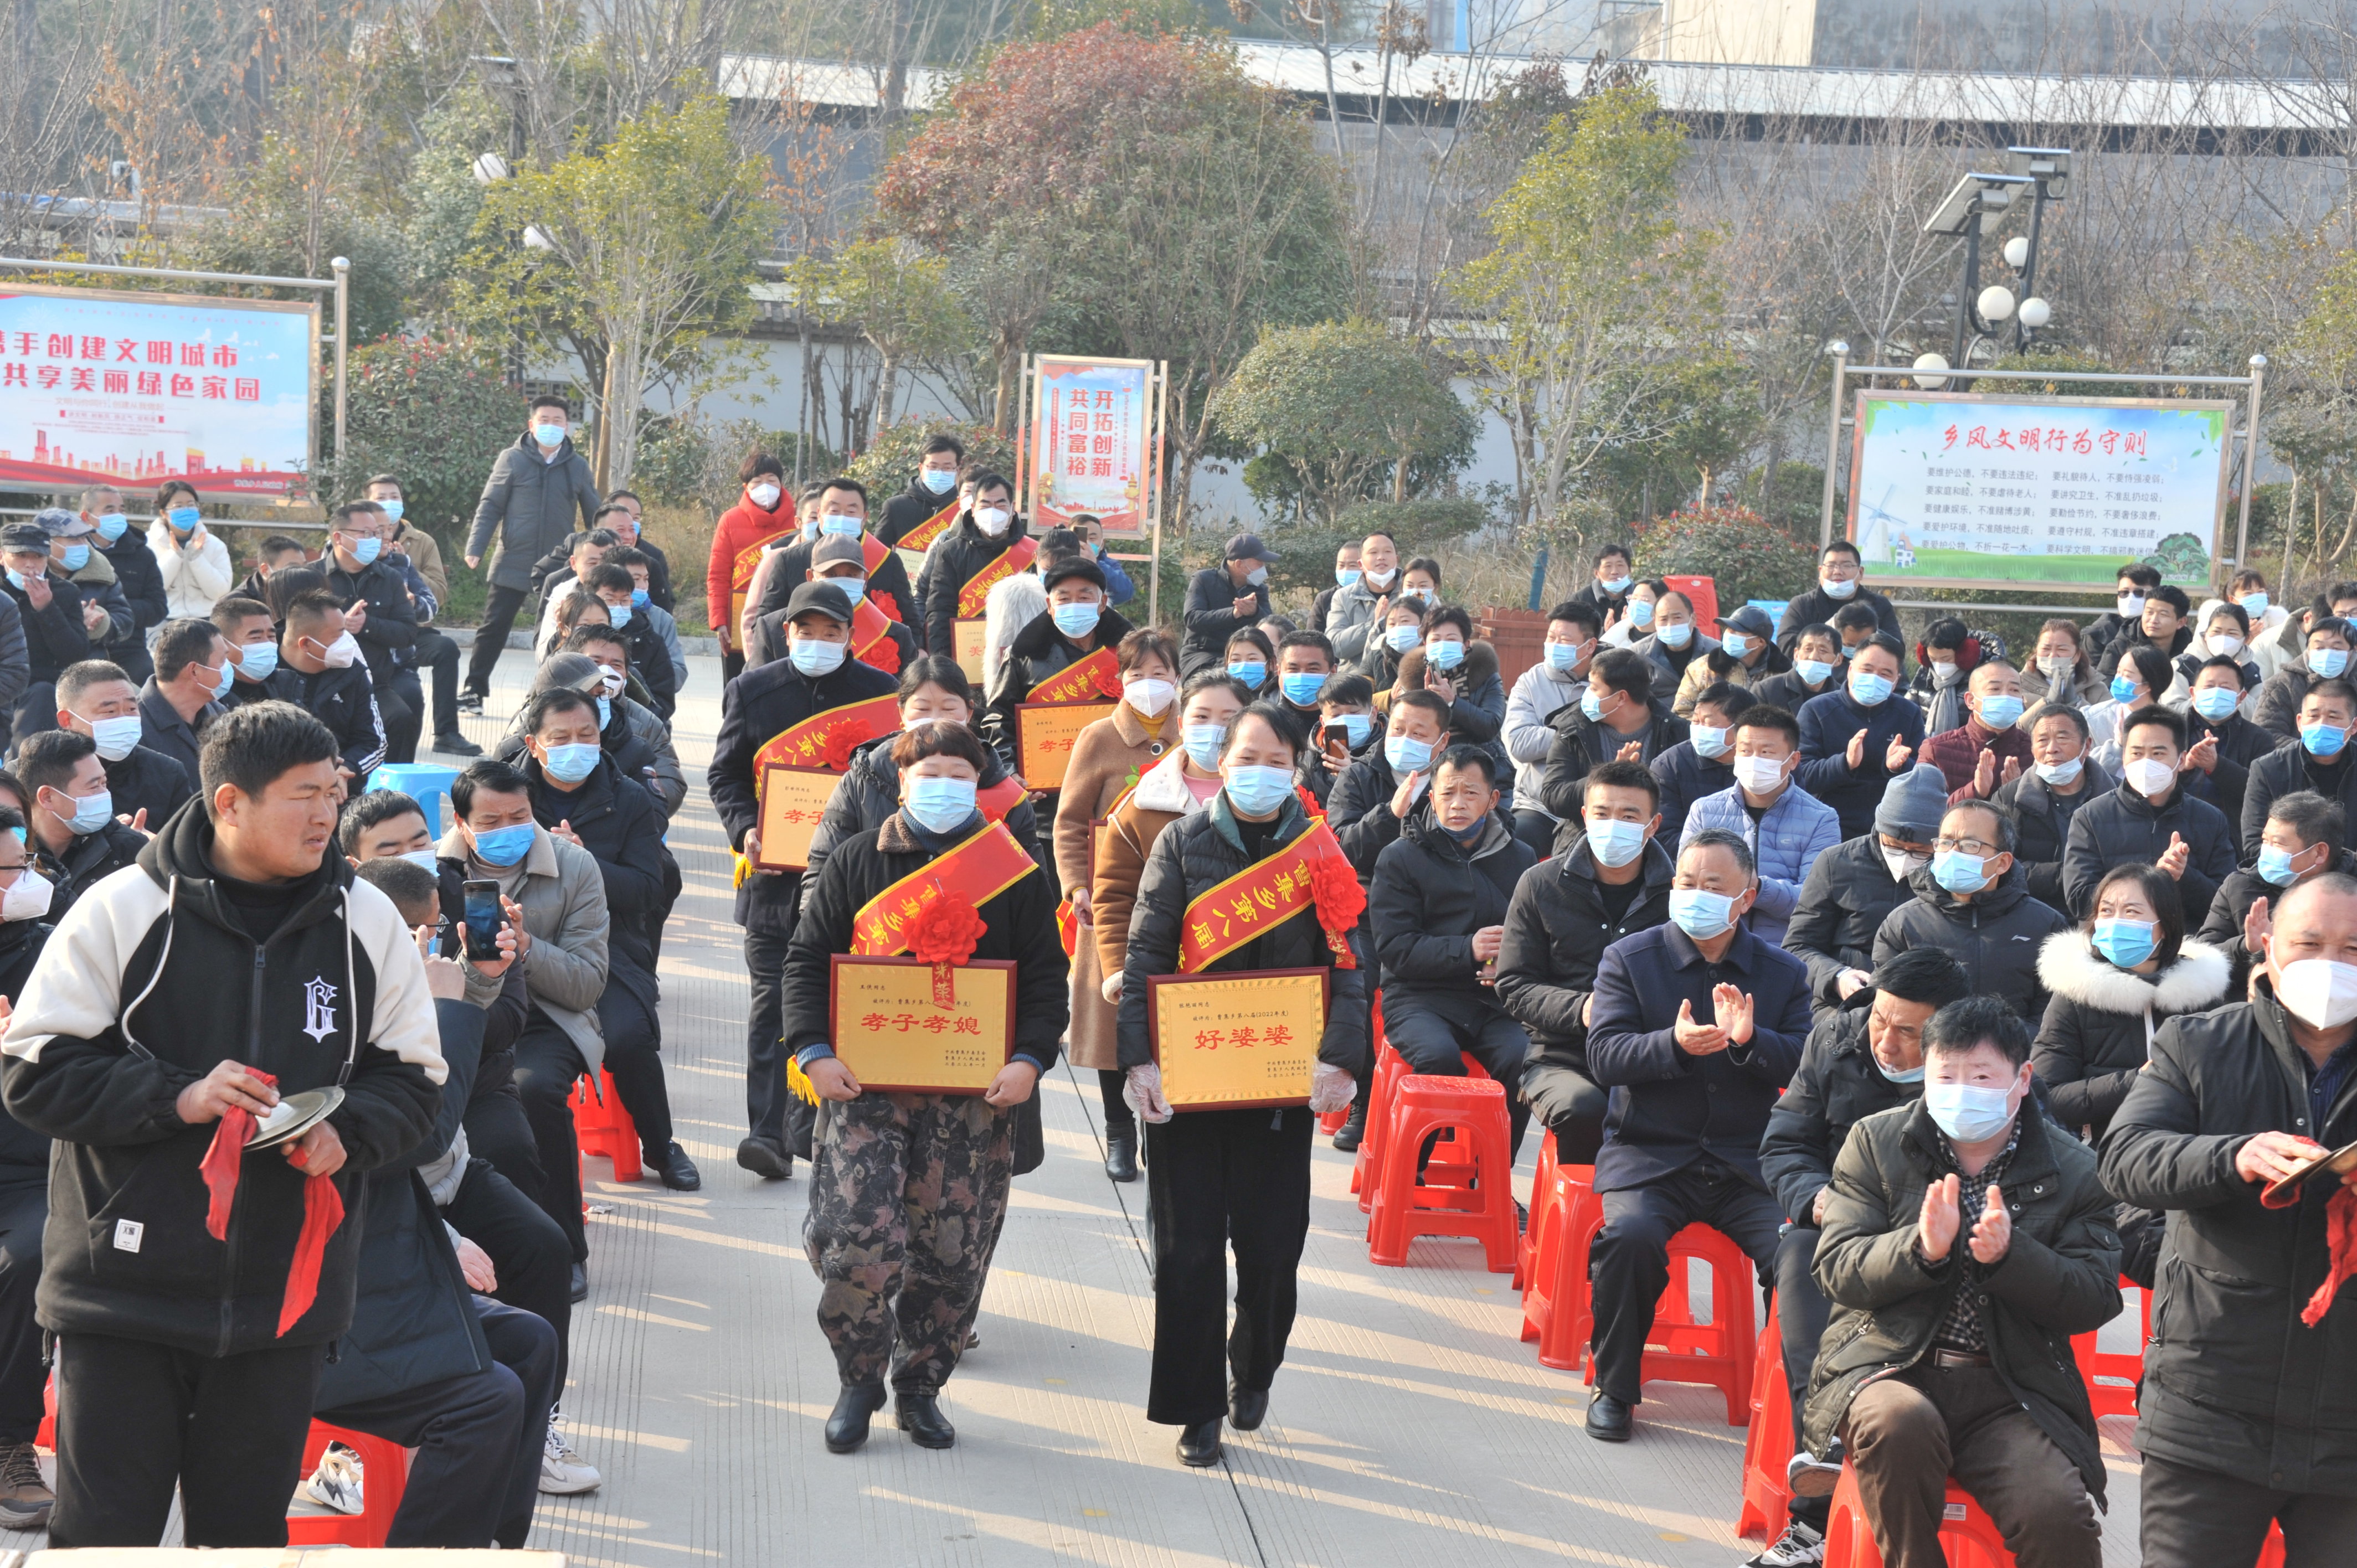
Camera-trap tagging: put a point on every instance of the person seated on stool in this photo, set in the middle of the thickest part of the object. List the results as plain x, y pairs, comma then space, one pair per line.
1865, 1058
1439, 908
1695, 1028
1965, 1243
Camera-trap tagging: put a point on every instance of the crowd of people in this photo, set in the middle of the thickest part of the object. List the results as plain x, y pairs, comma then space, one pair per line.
1952, 988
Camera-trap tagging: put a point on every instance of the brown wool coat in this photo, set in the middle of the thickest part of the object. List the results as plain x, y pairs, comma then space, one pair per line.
1160, 798
1107, 759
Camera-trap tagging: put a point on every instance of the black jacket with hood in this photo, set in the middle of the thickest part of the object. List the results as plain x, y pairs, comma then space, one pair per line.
345, 701
1997, 935
618, 823
959, 553
2125, 826
1430, 895
87, 860
1038, 651
138, 996
1847, 895
1556, 932
1580, 744
2100, 1023
871, 792
2042, 825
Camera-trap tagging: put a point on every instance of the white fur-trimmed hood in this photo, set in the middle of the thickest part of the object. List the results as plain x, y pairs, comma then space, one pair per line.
2069, 967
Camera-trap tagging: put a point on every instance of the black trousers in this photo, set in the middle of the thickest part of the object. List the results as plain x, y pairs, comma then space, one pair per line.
634, 1060
1216, 1179
1570, 1105
546, 1064
527, 1249
401, 704
135, 1420
23, 1212
1629, 1263
1437, 1045
732, 664
1536, 829
476, 1474
436, 652
1802, 1312
1119, 1117
491, 636
2199, 1518
499, 1131
773, 1112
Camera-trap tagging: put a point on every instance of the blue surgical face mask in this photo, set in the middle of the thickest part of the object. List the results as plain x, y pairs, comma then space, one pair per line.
1400, 639
1910, 1075
2323, 740
938, 480
839, 526
183, 519
2327, 662
1816, 672
2122, 689
2000, 711
814, 657
503, 846
1356, 727
605, 713
1076, 620
424, 858
940, 805
1870, 691
2214, 703
548, 435
571, 762
1257, 791
16, 578
1958, 872
1250, 672
2126, 943
1344, 576
2275, 865
1640, 613
1676, 636
1615, 584
2061, 772
1967, 1113
392, 509
1699, 914
91, 812
1591, 707
77, 555
1565, 656
2253, 604
113, 525
261, 661
1708, 740
1734, 644
228, 677
1301, 686
854, 588
1615, 843
1203, 743
1444, 653
367, 550
1406, 754
640, 598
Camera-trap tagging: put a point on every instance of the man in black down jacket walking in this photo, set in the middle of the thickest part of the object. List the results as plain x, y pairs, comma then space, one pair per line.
2246, 1414
189, 1351
1973, 903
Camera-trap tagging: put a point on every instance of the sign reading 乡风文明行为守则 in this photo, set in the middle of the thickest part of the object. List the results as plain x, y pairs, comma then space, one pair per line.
104, 387
1955, 490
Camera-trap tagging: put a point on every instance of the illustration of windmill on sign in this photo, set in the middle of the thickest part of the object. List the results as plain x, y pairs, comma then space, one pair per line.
1877, 525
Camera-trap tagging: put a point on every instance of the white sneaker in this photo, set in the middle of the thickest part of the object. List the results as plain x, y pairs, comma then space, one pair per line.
563, 1473
1798, 1547
337, 1482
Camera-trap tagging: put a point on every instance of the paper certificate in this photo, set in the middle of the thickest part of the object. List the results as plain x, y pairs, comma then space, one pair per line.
968, 652
1233, 1041
792, 802
890, 1029
1045, 733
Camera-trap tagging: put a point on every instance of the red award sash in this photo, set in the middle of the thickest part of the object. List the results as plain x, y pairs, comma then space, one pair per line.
1000, 797
825, 740
1011, 560
920, 538
871, 637
1082, 680
1258, 899
978, 870
740, 574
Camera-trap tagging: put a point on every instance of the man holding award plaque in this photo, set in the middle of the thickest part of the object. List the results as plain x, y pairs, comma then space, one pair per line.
925, 993
1243, 1008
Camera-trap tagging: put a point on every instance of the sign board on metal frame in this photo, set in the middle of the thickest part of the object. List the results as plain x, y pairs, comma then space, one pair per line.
1124, 405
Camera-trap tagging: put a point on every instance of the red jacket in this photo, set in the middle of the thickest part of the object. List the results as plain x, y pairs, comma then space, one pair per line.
742, 526
1956, 753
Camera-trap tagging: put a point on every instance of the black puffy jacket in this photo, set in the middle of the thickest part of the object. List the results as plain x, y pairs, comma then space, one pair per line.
24, 1154
871, 792
1847, 895
2042, 825
1581, 744
1836, 1086
1430, 895
1199, 852
1686, 776
1556, 936
2099, 1026
1038, 651
148, 781
959, 553
2283, 771
2233, 1382
618, 824
1359, 809
1997, 935
2124, 826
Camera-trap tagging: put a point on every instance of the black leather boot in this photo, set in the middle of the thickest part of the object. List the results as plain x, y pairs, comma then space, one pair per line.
846, 1429
921, 1418
1121, 1154
1198, 1445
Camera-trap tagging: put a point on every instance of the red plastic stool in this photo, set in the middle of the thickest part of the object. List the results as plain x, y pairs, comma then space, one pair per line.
1768, 1448
1482, 1207
1542, 1198
602, 1125
1389, 1068
1681, 1350
1967, 1535
2117, 1396
1451, 1163
384, 1477
1555, 1284
46, 1437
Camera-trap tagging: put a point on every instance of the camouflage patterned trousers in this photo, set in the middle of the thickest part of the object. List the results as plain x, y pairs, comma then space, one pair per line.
907, 1195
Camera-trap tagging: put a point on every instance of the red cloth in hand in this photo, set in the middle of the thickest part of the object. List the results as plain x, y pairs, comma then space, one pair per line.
323, 1207
2341, 1230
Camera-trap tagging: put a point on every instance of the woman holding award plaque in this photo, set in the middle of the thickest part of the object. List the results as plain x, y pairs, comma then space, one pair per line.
1249, 888
925, 963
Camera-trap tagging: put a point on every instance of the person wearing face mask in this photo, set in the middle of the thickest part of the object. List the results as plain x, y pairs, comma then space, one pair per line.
1786, 829
1704, 763
1973, 903
1866, 1056
1229, 598
2273, 636
876, 638
2061, 776
1348, 727
1250, 660
1400, 633
1220, 1179
1541, 692
2127, 969
50, 631
2151, 818
1965, 1238
1854, 740
2320, 760
1437, 906
536, 490
379, 612
2140, 676
2133, 590
1609, 579
816, 679
194, 564
935, 1165
1675, 644
1304, 662
72, 830
840, 514
2325, 656
74, 557
2222, 746
319, 670
1068, 654
1696, 1026
2059, 673
250, 627
638, 743
1616, 719
1840, 584
662, 629
922, 512
615, 589
1746, 656
1635, 622
2222, 631
585, 552
1462, 671
2162, 622
24, 1498
2241, 1423
1816, 664
988, 544
1944, 660
1853, 887
181, 701
97, 699
1346, 572
1989, 748
619, 517
1355, 619
762, 517
135, 569
1381, 789
1614, 879
2306, 835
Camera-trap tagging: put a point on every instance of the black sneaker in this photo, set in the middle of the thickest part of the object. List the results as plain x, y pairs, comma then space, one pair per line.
471, 701
765, 1159
452, 744
1799, 1547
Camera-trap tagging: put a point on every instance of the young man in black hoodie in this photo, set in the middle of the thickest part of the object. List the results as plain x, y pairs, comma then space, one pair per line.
191, 1342
320, 672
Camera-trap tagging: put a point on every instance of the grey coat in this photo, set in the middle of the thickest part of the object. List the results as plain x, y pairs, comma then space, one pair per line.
534, 505
563, 898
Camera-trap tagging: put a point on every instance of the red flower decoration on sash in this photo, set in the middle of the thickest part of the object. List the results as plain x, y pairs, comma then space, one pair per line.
1334, 889
891, 607
1309, 803
885, 655
944, 934
842, 740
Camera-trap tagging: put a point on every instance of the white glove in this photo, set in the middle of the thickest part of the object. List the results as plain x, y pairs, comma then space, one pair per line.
1330, 1089
1144, 1094
1111, 986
